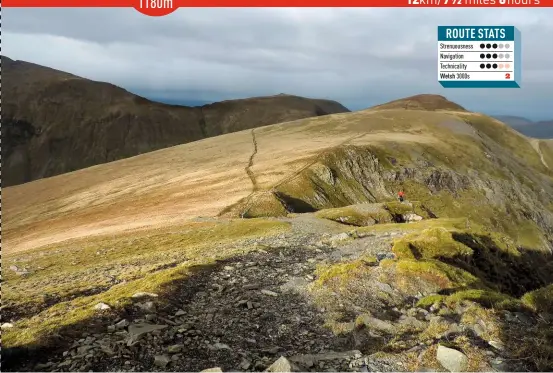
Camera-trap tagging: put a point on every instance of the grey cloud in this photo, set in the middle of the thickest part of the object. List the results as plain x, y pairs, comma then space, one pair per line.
360, 57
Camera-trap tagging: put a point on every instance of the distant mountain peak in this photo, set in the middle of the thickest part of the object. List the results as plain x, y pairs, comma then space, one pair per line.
540, 130
430, 102
513, 120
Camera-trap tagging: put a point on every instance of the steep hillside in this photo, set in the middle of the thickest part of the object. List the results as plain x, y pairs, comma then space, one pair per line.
184, 258
54, 122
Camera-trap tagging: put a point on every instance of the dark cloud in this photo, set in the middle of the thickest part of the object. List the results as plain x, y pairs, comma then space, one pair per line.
360, 57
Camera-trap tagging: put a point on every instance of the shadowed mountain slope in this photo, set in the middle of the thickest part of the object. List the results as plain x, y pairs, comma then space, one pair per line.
54, 122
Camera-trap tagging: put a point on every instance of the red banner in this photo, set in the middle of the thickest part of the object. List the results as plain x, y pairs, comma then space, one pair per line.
164, 7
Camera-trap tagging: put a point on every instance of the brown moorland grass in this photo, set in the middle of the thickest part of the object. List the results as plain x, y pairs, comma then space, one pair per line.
173, 185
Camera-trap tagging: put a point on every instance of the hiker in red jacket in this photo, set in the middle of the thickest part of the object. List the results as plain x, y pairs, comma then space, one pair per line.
401, 196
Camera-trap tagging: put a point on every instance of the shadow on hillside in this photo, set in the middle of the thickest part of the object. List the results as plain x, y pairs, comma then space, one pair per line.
295, 205
273, 325
261, 325
505, 271
526, 333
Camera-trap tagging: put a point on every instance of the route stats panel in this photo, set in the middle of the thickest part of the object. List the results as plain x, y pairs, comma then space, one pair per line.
479, 56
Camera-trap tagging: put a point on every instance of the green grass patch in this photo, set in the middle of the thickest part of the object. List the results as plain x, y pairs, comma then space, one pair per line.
357, 216
540, 300
38, 329
447, 223
398, 208
430, 300
478, 213
264, 204
442, 275
339, 273
486, 298
431, 243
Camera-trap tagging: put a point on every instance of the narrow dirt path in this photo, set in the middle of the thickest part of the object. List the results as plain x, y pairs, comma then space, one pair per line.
250, 164
536, 145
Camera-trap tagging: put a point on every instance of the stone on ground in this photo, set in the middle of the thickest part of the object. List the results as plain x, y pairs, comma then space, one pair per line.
451, 359
143, 295
281, 365
412, 218
376, 324
161, 360
102, 306
137, 330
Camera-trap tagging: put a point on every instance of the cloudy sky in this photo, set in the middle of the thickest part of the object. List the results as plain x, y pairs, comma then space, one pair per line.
360, 57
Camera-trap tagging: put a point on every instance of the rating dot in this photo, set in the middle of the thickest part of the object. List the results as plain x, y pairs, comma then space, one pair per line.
507, 55
495, 46
495, 55
482, 46
488, 46
489, 66
482, 55
507, 65
488, 55
500, 55
482, 66
494, 66
500, 46
500, 65
507, 46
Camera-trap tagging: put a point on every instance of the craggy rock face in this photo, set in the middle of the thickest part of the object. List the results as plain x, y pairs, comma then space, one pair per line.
360, 174
83, 123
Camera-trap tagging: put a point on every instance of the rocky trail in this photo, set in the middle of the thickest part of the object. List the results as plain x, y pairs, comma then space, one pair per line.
254, 313
237, 315
240, 315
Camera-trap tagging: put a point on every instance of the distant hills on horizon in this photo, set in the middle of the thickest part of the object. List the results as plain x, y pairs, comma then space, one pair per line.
540, 129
